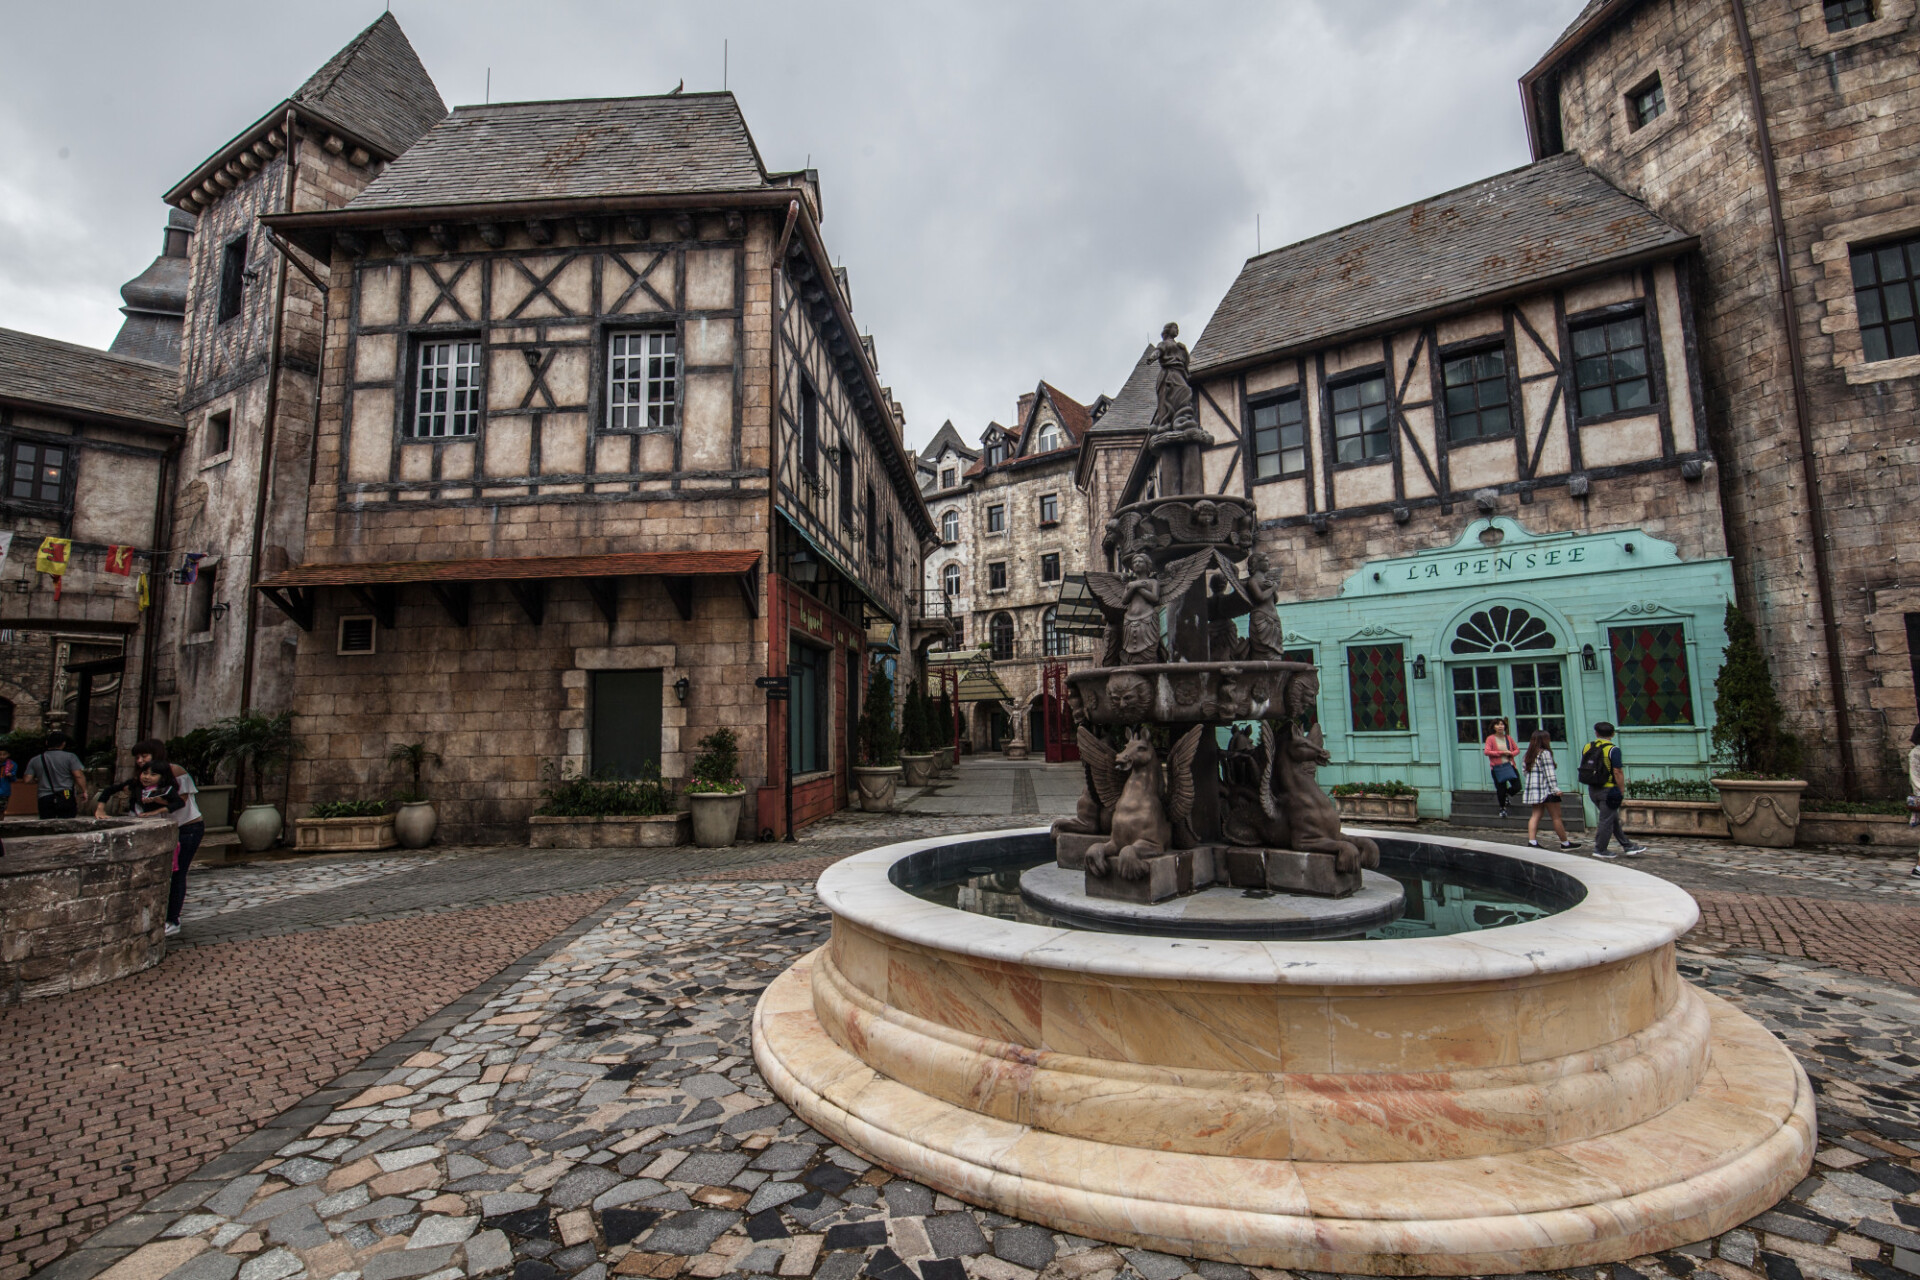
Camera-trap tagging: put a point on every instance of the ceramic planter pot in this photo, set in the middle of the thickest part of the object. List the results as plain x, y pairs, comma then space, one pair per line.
1368, 807
716, 817
1764, 812
216, 806
1691, 819
876, 787
415, 823
917, 770
344, 835
258, 826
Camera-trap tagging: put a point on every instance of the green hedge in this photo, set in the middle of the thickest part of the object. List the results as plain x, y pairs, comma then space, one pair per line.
1815, 805
1671, 789
573, 796
1392, 787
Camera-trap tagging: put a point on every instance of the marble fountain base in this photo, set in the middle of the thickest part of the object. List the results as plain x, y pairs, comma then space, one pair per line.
1541, 1095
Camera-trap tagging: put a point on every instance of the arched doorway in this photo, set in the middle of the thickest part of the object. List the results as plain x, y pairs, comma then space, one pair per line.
1505, 662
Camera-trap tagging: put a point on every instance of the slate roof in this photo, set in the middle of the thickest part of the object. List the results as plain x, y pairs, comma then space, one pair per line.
1544, 221
1074, 416
1132, 409
594, 147
947, 437
64, 375
377, 87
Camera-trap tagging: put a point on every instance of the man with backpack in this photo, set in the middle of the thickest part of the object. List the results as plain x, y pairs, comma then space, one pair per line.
1603, 774
61, 777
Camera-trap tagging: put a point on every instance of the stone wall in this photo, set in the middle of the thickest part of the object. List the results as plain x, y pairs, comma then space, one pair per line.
1844, 114
81, 902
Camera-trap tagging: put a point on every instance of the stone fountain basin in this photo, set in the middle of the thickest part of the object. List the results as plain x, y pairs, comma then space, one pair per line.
1541, 1095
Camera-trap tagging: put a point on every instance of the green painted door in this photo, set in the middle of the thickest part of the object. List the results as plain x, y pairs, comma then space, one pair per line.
1528, 695
626, 723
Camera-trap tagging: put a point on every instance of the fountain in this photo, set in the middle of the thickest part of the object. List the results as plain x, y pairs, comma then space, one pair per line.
1199, 1016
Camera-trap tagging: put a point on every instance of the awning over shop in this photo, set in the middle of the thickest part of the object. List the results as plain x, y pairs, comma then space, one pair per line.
1079, 613
978, 682
855, 588
525, 576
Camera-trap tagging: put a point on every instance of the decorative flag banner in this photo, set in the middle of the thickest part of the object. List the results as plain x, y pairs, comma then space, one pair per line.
120, 560
55, 553
190, 571
6, 544
140, 585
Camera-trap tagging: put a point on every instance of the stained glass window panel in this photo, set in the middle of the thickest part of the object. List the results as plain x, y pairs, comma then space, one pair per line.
1377, 684
1652, 685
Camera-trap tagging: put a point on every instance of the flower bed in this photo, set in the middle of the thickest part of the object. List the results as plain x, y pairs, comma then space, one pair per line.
1392, 801
1881, 823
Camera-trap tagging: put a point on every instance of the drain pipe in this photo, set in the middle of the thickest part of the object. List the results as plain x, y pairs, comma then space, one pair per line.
1802, 413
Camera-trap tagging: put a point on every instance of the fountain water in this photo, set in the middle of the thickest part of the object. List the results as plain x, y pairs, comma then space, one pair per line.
1534, 1094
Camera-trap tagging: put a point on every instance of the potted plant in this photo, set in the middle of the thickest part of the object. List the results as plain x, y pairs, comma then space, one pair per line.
1760, 793
416, 821
916, 760
1870, 822
1688, 807
879, 771
1388, 801
194, 752
344, 826
715, 793
603, 812
258, 746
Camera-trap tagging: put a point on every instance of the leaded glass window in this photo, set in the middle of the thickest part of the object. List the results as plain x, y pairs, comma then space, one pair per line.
1361, 430
1610, 366
447, 393
1377, 685
38, 473
1651, 682
1886, 285
643, 381
1279, 438
1476, 395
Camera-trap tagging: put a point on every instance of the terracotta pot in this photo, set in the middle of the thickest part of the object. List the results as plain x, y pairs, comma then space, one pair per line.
258, 827
716, 817
917, 769
1763, 812
415, 822
876, 787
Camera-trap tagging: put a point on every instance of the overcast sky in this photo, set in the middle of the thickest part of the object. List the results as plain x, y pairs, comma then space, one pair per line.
1019, 191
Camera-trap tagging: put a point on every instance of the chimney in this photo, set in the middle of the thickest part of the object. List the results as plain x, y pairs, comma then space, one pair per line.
1020, 414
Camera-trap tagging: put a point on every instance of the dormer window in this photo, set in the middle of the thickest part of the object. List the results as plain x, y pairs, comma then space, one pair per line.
996, 451
947, 477
1050, 438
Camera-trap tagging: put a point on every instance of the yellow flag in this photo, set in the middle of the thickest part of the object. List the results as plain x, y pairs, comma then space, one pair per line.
54, 554
145, 600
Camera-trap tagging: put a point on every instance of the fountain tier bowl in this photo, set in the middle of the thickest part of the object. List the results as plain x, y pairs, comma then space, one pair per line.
1534, 1096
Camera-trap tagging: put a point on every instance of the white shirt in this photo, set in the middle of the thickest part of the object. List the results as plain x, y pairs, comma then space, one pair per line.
190, 811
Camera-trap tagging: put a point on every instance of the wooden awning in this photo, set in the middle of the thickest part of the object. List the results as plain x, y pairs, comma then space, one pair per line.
525, 576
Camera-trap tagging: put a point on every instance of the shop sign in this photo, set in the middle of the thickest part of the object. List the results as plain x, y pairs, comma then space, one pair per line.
1498, 551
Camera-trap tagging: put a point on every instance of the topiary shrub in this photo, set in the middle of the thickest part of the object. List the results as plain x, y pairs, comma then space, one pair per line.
1747, 730
879, 739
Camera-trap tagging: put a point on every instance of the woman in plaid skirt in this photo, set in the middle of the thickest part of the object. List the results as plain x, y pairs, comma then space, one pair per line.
1542, 789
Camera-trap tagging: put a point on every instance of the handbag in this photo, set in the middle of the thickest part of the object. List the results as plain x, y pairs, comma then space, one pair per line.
1505, 773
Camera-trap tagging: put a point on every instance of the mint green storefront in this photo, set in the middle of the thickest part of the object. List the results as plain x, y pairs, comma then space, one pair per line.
1419, 655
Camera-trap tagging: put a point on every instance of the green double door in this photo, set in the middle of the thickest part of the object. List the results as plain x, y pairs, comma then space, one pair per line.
1528, 695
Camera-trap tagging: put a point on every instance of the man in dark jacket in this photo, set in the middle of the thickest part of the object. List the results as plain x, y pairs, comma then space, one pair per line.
61, 777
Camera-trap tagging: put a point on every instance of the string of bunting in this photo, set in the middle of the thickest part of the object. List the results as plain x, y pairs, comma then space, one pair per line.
54, 556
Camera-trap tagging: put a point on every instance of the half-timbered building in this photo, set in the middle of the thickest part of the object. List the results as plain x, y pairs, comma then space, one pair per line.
599, 446
1474, 435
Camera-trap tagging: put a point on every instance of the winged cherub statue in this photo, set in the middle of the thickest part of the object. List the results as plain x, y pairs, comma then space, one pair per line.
1132, 605
1266, 639
1147, 800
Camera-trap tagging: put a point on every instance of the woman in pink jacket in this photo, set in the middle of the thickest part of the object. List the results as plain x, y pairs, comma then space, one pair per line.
1500, 749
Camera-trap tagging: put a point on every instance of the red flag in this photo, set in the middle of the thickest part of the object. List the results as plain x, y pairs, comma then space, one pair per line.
120, 560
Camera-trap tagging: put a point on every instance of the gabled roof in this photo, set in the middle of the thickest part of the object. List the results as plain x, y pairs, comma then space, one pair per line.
943, 439
96, 384
1074, 417
592, 147
1538, 95
374, 90
1549, 221
1132, 409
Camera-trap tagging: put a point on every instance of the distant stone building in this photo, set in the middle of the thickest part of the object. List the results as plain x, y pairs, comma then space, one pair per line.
599, 447
1786, 133
1019, 528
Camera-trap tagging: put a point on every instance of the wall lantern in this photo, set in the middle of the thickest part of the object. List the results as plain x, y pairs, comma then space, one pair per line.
680, 688
1589, 660
1419, 666
802, 567
220, 609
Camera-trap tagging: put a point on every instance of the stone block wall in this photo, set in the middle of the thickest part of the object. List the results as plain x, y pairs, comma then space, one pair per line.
81, 902
1844, 115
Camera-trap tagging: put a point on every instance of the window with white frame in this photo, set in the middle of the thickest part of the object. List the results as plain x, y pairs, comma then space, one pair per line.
950, 526
1049, 440
447, 389
643, 381
950, 579
1049, 508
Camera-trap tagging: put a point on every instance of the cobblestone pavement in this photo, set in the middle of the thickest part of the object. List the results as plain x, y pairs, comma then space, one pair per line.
602, 1116
218, 890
